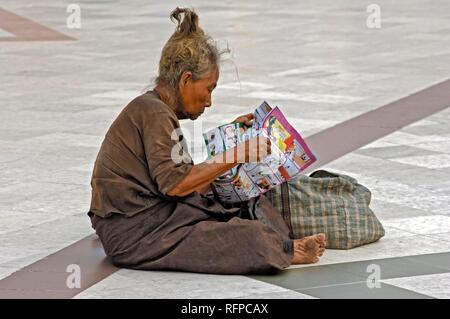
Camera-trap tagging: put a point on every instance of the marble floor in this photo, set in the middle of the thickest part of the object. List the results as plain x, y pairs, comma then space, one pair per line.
319, 61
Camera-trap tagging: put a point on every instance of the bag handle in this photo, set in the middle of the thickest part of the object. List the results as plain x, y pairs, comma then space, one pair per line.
286, 207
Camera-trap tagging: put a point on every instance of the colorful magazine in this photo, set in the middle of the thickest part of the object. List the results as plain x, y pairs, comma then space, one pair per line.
289, 155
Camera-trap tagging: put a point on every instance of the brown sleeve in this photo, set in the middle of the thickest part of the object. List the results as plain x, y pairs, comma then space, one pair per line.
168, 161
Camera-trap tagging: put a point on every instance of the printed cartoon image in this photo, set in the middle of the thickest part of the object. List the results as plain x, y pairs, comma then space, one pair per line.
260, 114
214, 142
298, 155
212, 149
275, 159
246, 185
237, 182
278, 134
284, 173
257, 171
305, 157
289, 169
230, 136
264, 183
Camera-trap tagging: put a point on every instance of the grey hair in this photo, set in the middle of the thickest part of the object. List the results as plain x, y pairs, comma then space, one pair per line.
188, 49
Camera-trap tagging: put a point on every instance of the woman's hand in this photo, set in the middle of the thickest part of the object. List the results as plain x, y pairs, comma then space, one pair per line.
246, 119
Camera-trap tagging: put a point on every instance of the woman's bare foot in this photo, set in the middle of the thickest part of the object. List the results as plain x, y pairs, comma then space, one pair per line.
308, 250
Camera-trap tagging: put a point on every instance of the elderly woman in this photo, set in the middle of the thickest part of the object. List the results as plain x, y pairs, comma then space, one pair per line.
149, 206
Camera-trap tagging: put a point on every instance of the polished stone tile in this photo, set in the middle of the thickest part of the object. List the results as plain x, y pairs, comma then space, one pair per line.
362, 291
289, 294
441, 260
309, 277
420, 125
381, 143
158, 284
437, 286
55, 141
307, 97
4, 33
421, 225
120, 95
5, 272
16, 220
428, 161
397, 183
403, 138
401, 151
437, 128
11, 255
388, 210
369, 169
387, 247
52, 199
439, 146
50, 235
443, 236
393, 232
245, 86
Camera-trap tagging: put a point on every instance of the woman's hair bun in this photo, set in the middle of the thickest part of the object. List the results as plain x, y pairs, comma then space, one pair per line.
188, 24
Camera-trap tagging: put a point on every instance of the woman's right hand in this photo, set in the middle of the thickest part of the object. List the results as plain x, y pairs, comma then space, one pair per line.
253, 150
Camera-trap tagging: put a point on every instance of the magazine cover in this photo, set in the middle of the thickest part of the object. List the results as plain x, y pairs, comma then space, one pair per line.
289, 155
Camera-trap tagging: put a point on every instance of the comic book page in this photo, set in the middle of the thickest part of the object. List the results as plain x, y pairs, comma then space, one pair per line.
292, 152
260, 114
221, 139
289, 155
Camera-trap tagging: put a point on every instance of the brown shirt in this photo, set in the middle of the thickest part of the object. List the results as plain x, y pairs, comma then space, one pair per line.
143, 155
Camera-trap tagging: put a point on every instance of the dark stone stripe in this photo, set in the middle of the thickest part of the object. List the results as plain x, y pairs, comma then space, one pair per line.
47, 277
27, 30
361, 291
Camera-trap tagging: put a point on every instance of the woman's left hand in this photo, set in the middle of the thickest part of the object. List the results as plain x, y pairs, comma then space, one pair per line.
246, 119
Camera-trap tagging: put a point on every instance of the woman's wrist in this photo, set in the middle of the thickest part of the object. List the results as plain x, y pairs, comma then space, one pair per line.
205, 189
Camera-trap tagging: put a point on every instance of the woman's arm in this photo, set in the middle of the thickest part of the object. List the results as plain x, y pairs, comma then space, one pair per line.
204, 190
201, 175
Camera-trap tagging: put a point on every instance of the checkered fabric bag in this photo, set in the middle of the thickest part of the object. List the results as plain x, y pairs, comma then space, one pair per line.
329, 203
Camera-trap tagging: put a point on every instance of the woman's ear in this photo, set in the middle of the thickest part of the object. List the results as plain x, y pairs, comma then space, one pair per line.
185, 78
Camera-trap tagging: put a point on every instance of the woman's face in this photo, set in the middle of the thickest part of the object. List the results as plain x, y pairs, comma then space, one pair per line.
196, 95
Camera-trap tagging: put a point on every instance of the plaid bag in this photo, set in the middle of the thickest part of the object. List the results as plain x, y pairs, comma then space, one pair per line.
328, 203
